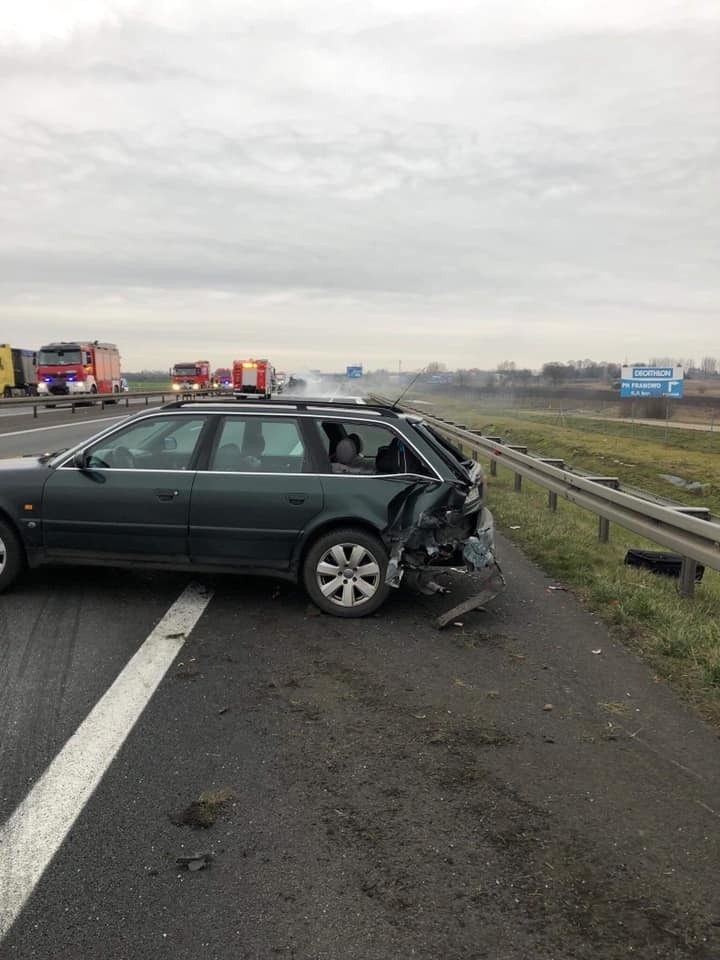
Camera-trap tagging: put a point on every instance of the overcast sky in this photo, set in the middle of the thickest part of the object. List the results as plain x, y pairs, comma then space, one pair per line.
384, 182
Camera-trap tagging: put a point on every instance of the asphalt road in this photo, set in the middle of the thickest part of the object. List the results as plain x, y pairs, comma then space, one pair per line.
496, 790
21, 434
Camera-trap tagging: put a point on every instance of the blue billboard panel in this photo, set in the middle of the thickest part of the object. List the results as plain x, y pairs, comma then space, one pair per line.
354, 373
652, 382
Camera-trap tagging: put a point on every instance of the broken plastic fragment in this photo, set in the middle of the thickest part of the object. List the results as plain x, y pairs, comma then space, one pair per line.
394, 572
420, 580
478, 550
198, 861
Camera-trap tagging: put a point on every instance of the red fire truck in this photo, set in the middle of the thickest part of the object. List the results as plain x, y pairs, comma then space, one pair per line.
78, 366
254, 378
222, 378
191, 376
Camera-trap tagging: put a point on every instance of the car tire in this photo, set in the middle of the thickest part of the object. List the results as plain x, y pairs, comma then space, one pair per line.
344, 572
12, 556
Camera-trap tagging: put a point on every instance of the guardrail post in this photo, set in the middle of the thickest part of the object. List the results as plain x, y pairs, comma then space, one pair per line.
517, 485
34, 411
603, 522
493, 461
552, 496
72, 407
688, 572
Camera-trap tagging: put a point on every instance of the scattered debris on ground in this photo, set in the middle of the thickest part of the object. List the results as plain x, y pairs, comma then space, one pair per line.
205, 811
692, 486
197, 861
492, 586
656, 561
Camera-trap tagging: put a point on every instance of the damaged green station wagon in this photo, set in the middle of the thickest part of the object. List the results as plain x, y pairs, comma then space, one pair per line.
347, 500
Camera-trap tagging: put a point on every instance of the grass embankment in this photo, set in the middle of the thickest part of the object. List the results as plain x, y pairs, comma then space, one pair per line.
680, 638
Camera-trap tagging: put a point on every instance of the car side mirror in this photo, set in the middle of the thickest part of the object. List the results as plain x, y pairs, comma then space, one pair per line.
83, 461
170, 443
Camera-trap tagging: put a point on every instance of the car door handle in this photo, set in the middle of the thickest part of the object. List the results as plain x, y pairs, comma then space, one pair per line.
166, 494
297, 498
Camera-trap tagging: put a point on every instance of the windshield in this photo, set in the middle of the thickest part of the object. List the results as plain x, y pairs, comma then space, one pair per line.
185, 370
59, 357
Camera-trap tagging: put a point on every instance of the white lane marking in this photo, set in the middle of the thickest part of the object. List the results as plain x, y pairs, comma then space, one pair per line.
37, 828
59, 426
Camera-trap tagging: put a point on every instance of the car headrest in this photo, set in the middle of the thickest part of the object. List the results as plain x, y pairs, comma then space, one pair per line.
358, 442
346, 451
253, 441
228, 457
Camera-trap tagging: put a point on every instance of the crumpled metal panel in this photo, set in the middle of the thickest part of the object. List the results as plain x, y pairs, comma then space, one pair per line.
479, 551
416, 540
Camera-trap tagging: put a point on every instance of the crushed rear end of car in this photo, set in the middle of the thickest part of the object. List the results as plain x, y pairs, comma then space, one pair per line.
444, 525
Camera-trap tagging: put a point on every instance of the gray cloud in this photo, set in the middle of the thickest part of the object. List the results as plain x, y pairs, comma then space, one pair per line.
353, 190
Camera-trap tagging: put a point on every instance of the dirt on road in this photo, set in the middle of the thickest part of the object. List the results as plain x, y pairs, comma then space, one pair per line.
516, 786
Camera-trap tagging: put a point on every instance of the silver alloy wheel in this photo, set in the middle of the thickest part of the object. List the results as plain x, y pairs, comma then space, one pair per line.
3, 555
348, 574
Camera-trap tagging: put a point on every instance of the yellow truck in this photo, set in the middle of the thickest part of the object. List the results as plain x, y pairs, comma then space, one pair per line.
18, 372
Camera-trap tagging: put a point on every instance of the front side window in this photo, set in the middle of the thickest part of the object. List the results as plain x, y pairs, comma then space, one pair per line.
258, 445
158, 443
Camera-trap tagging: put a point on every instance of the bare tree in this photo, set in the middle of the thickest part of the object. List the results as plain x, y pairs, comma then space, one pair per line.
556, 372
709, 366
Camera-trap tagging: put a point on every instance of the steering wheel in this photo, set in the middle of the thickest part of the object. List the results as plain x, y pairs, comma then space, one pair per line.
122, 458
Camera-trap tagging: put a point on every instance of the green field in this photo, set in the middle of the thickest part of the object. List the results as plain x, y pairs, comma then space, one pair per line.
679, 637
149, 386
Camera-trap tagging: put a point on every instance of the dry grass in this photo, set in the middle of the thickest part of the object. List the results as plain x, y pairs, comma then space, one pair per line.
679, 637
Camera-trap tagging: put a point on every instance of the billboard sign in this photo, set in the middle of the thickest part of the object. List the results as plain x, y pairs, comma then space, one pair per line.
354, 373
652, 382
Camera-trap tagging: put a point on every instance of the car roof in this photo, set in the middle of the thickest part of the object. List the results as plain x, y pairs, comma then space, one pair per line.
283, 405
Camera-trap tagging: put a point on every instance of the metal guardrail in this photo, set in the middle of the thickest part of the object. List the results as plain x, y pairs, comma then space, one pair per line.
690, 532
103, 399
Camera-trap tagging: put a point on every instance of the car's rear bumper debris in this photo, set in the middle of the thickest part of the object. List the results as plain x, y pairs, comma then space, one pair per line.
491, 586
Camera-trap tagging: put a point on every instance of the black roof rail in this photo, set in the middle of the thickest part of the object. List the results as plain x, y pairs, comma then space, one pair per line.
279, 404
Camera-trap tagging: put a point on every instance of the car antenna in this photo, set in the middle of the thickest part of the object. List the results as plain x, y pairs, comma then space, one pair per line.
419, 374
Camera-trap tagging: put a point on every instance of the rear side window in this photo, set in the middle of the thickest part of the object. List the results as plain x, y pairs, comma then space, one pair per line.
258, 445
367, 448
